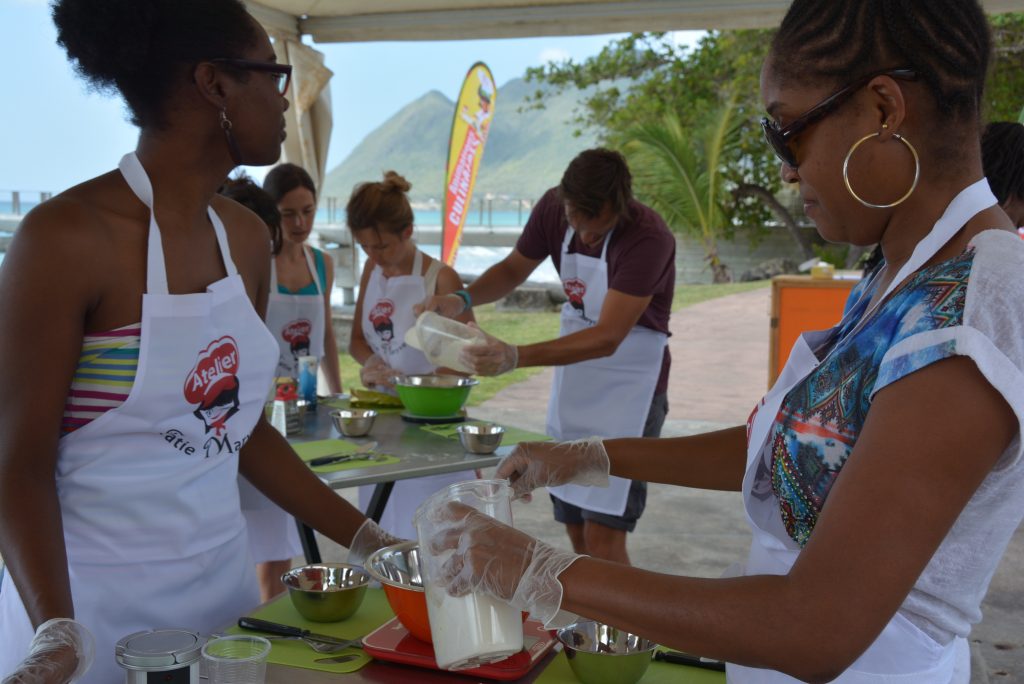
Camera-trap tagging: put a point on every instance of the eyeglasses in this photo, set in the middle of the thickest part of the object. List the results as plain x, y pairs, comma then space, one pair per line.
282, 73
779, 138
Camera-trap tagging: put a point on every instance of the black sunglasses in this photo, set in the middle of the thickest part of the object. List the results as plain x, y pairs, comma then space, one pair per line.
282, 72
779, 138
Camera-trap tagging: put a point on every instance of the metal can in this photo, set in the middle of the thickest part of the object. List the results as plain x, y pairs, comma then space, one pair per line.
169, 656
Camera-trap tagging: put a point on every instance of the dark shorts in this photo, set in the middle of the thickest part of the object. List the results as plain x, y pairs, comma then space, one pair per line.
636, 500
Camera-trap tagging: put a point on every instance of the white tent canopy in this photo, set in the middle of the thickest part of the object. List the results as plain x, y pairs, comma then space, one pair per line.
380, 20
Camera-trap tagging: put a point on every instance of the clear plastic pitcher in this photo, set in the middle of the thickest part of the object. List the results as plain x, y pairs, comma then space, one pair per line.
442, 339
475, 629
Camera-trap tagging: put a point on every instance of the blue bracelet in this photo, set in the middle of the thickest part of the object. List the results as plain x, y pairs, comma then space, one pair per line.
466, 299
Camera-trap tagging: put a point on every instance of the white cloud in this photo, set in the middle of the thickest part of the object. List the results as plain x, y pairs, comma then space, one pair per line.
687, 38
553, 54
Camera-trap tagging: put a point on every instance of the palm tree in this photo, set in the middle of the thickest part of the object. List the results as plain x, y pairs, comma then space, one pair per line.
679, 174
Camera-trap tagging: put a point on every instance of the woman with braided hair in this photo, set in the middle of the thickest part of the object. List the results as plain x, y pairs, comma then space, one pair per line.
883, 474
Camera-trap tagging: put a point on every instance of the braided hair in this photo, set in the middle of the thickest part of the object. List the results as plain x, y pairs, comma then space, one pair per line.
1002, 153
946, 42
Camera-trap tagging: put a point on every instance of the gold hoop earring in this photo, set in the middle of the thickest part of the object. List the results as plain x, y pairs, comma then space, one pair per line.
913, 186
225, 124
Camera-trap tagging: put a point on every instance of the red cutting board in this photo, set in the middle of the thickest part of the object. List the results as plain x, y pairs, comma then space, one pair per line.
392, 642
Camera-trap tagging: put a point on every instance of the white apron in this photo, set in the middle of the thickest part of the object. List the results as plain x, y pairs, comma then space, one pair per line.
902, 654
294, 321
605, 397
387, 314
152, 525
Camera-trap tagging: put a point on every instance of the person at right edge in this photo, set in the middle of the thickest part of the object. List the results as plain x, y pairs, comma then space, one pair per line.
882, 476
616, 260
1002, 153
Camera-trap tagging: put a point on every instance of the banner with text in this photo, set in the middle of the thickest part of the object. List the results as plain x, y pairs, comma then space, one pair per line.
474, 112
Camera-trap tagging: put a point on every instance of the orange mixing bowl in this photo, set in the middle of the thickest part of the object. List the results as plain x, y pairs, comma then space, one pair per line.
397, 568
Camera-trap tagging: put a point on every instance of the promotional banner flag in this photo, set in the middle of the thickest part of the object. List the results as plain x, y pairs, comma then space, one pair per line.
474, 112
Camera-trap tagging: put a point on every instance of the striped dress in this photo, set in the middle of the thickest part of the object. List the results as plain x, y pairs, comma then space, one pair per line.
104, 377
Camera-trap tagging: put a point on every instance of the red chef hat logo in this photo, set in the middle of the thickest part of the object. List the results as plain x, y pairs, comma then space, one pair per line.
298, 330
215, 372
381, 312
574, 290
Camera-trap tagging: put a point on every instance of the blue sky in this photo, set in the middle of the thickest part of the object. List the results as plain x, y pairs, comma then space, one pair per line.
56, 133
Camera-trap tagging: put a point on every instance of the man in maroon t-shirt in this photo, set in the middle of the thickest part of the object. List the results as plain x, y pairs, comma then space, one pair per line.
616, 259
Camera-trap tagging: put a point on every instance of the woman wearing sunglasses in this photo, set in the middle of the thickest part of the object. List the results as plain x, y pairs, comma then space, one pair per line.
132, 327
882, 476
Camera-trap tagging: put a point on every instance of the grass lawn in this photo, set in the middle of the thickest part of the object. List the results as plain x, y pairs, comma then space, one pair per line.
530, 327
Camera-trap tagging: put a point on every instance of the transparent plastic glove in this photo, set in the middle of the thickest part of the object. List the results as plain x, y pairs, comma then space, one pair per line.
61, 651
369, 538
490, 357
377, 372
546, 464
492, 558
449, 306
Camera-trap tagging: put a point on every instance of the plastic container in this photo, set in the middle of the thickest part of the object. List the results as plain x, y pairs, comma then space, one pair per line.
308, 366
237, 659
472, 630
442, 340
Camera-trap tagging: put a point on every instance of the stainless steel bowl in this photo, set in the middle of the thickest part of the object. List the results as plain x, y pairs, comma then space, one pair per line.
353, 422
443, 381
480, 438
602, 654
326, 592
397, 565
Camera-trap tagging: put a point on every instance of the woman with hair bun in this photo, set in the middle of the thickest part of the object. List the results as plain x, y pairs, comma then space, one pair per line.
882, 476
396, 276
143, 380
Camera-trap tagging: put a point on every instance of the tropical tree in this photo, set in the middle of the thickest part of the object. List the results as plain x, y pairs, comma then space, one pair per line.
678, 170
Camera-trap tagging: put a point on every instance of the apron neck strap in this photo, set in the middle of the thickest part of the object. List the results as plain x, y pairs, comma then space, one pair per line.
570, 231
310, 264
972, 200
156, 271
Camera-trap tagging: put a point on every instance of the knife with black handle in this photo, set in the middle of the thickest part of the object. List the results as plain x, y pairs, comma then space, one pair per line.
288, 630
677, 658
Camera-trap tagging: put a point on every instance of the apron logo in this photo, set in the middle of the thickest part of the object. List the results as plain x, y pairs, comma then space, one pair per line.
380, 317
212, 384
575, 290
297, 335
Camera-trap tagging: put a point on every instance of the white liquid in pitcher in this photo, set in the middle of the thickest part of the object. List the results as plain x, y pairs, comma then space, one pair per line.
472, 630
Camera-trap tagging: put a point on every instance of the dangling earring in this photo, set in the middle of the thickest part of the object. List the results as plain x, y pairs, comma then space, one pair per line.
913, 186
225, 124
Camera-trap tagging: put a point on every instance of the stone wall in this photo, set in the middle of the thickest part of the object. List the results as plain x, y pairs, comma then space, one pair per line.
738, 255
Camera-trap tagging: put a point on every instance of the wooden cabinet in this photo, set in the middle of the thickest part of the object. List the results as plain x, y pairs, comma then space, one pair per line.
801, 303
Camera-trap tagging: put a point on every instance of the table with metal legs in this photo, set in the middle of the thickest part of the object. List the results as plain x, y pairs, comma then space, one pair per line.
421, 453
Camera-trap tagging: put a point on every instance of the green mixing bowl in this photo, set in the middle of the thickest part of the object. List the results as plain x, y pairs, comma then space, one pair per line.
434, 396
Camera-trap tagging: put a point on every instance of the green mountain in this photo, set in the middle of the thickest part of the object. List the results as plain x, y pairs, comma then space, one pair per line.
526, 151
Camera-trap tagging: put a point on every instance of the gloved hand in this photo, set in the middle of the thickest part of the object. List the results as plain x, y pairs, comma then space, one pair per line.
60, 652
548, 464
369, 538
376, 371
489, 557
449, 305
490, 356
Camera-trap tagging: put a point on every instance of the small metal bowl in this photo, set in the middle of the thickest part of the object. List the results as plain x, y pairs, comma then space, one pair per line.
602, 654
480, 438
353, 422
326, 592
